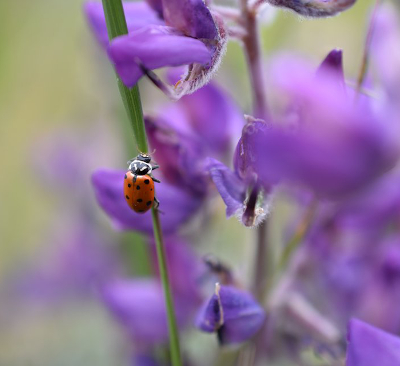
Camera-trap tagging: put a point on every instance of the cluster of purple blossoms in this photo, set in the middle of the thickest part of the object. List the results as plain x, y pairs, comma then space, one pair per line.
322, 143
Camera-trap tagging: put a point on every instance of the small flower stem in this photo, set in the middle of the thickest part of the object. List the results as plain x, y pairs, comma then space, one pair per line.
261, 262
365, 58
299, 234
251, 43
252, 50
116, 26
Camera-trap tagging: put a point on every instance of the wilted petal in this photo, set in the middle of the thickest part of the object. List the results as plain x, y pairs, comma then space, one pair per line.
231, 188
177, 205
191, 17
199, 74
370, 346
245, 158
155, 47
233, 313
137, 14
314, 8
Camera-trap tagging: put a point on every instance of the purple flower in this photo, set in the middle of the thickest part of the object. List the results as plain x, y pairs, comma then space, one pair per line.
314, 8
370, 346
188, 35
232, 313
326, 143
177, 205
139, 304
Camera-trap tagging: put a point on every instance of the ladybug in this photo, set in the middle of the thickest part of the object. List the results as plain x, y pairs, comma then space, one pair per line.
139, 184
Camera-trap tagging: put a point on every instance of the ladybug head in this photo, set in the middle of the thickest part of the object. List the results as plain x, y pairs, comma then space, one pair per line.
144, 157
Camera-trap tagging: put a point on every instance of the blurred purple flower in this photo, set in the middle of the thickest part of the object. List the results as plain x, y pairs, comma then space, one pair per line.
314, 8
334, 147
177, 205
188, 35
232, 313
139, 305
377, 207
370, 346
75, 266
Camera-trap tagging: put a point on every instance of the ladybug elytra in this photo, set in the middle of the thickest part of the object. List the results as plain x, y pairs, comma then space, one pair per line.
139, 184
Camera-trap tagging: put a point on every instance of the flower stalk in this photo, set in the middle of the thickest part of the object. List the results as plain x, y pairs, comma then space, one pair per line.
116, 26
252, 50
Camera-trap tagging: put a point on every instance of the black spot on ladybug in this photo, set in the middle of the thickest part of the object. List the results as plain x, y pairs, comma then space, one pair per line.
151, 189
146, 181
129, 185
148, 203
125, 176
127, 197
139, 200
137, 187
141, 211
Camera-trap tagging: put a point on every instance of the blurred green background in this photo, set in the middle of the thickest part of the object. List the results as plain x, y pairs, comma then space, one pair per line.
55, 80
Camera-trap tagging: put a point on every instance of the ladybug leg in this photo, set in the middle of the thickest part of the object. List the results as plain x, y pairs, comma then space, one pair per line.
155, 167
156, 180
157, 203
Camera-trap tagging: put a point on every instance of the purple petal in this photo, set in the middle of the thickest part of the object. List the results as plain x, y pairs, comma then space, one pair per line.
156, 5
333, 66
233, 313
139, 306
155, 47
231, 188
137, 14
177, 205
191, 17
370, 346
314, 8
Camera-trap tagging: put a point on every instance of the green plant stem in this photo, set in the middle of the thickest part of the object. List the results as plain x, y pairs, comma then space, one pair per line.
298, 235
116, 26
162, 263
365, 58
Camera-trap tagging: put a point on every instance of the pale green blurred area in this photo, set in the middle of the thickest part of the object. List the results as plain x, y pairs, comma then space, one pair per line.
53, 76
